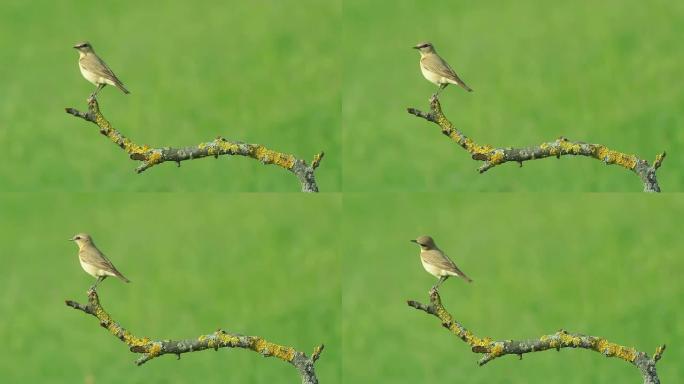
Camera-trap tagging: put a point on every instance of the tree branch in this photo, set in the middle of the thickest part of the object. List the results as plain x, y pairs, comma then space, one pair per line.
561, 339
219, 339
219, 146
561, 147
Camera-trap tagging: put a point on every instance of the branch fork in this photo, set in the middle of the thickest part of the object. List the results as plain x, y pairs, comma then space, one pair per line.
150, 349
492, 349
491, 156
150, 157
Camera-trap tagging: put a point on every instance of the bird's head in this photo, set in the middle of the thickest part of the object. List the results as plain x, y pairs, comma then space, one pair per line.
82, 239
84, 47
426, 243
425, 48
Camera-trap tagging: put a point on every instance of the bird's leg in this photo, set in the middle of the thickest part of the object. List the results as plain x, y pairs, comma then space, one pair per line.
441, 87
439, 282
99, 87
99, 279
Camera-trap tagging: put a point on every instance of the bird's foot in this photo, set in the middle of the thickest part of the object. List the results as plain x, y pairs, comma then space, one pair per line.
433, 290
93, 96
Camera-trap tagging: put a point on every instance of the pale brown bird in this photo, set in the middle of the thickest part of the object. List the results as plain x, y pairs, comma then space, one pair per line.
436, 262
436, 70
95, 70
94, 262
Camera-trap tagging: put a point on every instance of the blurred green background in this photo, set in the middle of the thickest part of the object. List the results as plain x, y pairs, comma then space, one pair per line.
604, 265
602, 72
264, 72
257, 264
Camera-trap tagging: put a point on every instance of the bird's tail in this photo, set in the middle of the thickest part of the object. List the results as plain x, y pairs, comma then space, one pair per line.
120, 85
464, 86
463, 276
122, 277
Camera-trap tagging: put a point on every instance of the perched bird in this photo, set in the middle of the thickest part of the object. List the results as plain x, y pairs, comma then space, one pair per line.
436, 70
93, 261
436, 262
95, 70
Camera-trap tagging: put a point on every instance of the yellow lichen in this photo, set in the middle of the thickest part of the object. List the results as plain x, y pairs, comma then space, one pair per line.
497, 349
154, 157
227, 146
611, 349
614, 157
496, 157
568, 147
227, 339
569, 340
264, 347
154, 349
269, 156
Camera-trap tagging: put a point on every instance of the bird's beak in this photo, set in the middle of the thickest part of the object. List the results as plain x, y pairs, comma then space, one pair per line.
70, 239
75, 46
414, 241
416, 47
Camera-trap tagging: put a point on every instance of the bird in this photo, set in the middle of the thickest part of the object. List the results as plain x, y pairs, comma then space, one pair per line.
95, 70
94, 262
436, 262
436, 70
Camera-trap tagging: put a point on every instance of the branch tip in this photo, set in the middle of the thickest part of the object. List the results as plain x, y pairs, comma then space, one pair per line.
659, 160
659, 353
317, 353
317, 160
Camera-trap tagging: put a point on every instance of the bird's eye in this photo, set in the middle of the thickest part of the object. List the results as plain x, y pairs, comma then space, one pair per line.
77, 238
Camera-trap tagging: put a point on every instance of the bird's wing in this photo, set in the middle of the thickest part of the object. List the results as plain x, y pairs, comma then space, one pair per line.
94, 257
441, 260
438, 259
94, 64
435, 64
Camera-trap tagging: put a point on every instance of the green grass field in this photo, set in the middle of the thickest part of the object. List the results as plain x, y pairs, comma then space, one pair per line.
604, 265
263, 265
231, 243
601, 72
245, 71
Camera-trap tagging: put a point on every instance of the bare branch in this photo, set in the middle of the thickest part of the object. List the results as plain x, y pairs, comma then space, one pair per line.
492, 157
493, 349
149, 349
217, 147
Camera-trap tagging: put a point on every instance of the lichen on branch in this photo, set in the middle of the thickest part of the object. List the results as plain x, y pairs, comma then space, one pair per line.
492, 349
150, 157
149, 349
491, 156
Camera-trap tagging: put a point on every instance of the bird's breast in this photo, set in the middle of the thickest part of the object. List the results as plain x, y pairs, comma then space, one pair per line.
431, 76
90, 76
431, 269
90, 269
